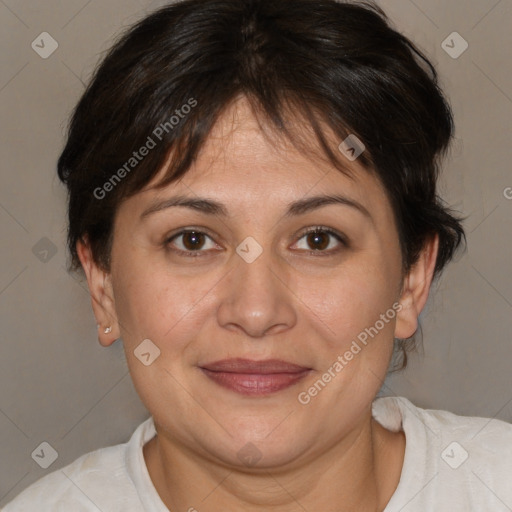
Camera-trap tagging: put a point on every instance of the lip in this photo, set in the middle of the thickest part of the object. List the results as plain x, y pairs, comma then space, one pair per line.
264, 367
254, 378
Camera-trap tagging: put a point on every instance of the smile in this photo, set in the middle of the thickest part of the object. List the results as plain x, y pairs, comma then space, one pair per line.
255, 378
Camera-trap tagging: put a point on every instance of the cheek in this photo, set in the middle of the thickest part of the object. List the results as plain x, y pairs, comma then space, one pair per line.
355, 304
153, 303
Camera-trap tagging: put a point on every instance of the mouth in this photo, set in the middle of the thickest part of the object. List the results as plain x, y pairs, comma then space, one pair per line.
254, 378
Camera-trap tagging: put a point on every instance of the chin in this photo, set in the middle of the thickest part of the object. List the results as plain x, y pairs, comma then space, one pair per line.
256, 443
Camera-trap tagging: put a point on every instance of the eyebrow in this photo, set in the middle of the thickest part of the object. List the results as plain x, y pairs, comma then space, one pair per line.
212, 207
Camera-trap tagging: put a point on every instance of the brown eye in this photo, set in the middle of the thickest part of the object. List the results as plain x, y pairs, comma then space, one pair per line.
318, 240
322, 241
193, 240
191, 243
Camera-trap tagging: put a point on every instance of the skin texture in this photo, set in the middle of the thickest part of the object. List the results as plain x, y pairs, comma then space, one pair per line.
291, 303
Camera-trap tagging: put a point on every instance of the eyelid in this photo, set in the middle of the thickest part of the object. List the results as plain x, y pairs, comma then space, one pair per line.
204, 231
330, 231
182, 231
187, 229
324, 229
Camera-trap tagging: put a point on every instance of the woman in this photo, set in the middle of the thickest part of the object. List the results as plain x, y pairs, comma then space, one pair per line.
252, 199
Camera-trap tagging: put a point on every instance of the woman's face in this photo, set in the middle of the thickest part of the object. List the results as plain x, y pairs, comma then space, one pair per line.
252, 286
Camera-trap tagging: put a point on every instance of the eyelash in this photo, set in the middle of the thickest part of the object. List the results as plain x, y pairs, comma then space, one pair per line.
316, 229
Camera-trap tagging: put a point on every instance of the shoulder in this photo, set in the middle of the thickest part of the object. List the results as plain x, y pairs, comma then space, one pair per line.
98, 480
480, 448
463, 461
482, 436
484, 439
69, 488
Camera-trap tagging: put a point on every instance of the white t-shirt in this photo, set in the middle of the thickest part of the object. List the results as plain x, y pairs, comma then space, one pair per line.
452, 463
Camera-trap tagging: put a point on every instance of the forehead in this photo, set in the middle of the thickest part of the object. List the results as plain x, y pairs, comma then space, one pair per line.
243, 154
256, 175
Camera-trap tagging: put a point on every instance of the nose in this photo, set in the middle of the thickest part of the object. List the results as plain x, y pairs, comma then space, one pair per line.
256, 298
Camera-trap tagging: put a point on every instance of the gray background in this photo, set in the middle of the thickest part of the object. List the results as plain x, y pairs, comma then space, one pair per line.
57, 384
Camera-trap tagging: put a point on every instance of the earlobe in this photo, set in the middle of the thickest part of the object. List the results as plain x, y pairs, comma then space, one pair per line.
416, 288
101, 292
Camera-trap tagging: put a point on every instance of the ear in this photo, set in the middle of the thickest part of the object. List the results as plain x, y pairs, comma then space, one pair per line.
416, 288
102, 296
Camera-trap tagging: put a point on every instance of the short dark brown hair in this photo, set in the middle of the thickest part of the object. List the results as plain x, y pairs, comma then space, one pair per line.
332, 64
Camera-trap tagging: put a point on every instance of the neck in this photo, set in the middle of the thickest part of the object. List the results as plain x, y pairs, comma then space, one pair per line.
359, 472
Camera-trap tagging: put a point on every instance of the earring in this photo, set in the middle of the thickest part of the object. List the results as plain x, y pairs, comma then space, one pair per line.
108, 330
